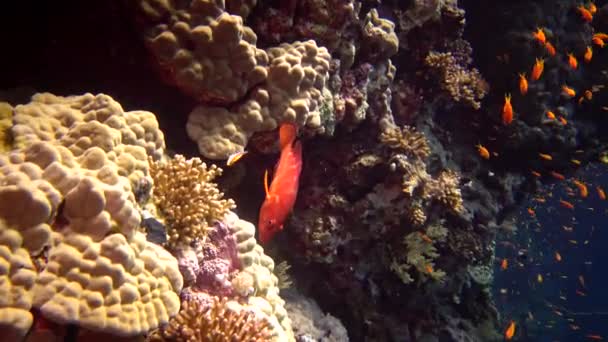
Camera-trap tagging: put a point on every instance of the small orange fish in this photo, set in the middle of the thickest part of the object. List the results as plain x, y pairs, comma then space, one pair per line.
588, 95
595, 337
557, 175
539, 35
592, 8
540, 200
580, 293
588, 54
572, 61
504, 264
523, 84
558, 257
235, 157
510, 331
567, 91
483, 152
429, 269
531, 212
426, 238
563, 120
600, 193
545, 156
582, 188
575, 161
537, 69
507, 110
585, 14
550, 115
535, 173
566, 204
550, 48
601, 35
598, 41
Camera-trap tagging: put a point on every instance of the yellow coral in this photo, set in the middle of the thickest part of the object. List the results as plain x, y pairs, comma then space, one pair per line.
187, 197
218, 323
446, 190
464, 85
6, 120
406, 139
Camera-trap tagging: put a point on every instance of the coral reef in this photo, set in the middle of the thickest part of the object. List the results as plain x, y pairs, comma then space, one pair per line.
67, 197
217, 323
188, 211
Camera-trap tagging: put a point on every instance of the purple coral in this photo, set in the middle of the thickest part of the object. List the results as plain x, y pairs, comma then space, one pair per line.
209, 266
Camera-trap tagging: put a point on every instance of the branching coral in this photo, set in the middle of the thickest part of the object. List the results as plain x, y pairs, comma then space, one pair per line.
407, 140
218, 323
420, 253
462, 83
187, 197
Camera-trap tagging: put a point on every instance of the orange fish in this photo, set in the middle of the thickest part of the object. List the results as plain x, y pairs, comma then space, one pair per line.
567, 91
575, 161
539, 35
592, 8
507, 110
531, 212
585, 14
600, 193
523, 84
429, 269
235, 157
557, 175
281, 196
504, 264
537, 69
550, 48
582, 188
558, 257
595, 337
598, 41
425, 237
572, 61
510, 331
601, 35
550, 115
545, 156
566, 204
588, 94
563, 120
588, 54
483, 152
535, 173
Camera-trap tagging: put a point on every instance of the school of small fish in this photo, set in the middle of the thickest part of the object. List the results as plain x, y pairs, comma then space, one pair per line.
577, 191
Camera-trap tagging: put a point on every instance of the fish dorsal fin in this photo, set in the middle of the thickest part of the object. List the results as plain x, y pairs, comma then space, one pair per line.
266, 182
287, 134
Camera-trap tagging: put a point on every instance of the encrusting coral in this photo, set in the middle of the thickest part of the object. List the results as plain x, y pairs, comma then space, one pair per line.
187, 198
220, 322
67, 197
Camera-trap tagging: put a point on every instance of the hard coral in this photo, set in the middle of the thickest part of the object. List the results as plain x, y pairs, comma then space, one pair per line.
209, 53
407, 140
67, 193
187, 197
294, 91
462, 83
220, 322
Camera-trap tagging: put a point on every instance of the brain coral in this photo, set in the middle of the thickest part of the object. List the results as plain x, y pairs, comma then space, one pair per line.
67, 192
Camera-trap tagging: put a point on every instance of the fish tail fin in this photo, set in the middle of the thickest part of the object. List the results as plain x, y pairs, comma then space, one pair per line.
287, 134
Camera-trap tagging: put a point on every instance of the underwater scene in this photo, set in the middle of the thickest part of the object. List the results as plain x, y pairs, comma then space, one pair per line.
304, 170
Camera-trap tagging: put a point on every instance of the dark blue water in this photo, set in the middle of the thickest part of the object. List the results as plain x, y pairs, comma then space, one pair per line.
570, 303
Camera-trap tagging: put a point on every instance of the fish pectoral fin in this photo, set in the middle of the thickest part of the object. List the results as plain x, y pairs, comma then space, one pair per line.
266, 183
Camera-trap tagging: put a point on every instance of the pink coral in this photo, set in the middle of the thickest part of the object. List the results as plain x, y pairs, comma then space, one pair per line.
209, 266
